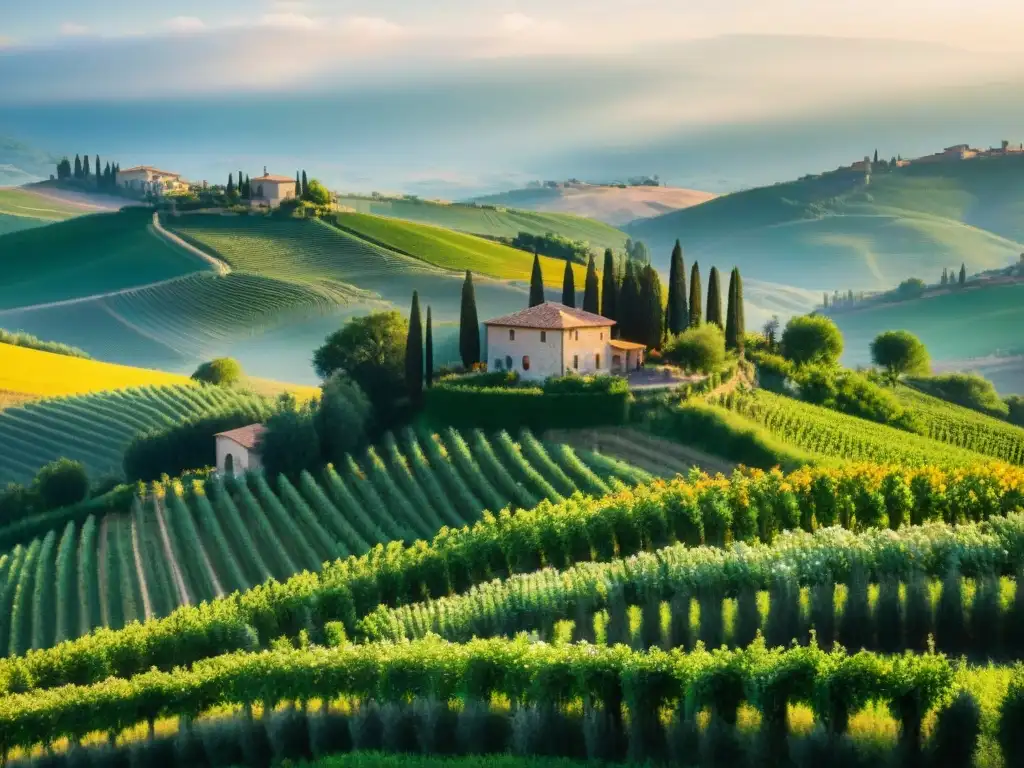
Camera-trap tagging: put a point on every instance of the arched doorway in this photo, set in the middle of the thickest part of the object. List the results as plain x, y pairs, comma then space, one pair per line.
229, 465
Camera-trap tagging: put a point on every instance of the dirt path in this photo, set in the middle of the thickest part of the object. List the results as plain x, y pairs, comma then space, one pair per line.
219, 266
140, 570
102, 555
172, 563
653, 454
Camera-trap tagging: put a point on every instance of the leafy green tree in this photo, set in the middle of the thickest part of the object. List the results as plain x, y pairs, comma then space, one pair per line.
700, 349
568, 286
1015, 409
715, 299
609, 287
62, 483
414, 351
469, 325
678, 315
650, 314
371, 349
812, 339
900, 353
536, 283
223, 371
290, 443
591, 299
344, 419
318, 193
735, 319
428, 351
696, 298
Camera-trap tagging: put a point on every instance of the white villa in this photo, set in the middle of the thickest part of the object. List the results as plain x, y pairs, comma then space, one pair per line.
271, 190
552, 339
145, 178
238, 450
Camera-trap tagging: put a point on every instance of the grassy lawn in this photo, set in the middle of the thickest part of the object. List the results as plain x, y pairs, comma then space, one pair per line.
19, 202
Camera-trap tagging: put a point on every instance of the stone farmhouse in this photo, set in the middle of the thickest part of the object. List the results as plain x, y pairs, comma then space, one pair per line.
145, 178
552, 339
238, 450
270, 190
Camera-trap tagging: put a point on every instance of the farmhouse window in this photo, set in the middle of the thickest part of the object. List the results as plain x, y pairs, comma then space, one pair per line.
508, 362
497, 364
577, 335
597, 362
576, 361
526, 362
511, 335
543, 336
602, 335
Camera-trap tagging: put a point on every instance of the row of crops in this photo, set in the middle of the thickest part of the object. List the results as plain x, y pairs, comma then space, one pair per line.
96, 428
184, 544
716, 512
956, 425
832, 434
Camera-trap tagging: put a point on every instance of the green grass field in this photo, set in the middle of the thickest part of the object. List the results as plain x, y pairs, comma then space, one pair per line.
19, 202
494, 222
9, 223
88, 255
838, 232
455, 251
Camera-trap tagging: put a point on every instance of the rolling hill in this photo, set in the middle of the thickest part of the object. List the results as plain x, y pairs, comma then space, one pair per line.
845, 231
491, 221
455, 251
611, 204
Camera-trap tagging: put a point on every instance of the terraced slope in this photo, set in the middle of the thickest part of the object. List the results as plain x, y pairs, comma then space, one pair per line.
182, 545
456, 251
838, 436
88, 255
96, 428
491, 220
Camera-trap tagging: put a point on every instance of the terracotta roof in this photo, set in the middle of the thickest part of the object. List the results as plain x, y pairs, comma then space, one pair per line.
627, 345
247, 437
272, 177
551, 316
151, 169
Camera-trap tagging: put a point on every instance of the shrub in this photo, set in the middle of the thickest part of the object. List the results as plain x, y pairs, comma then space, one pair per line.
1015, 409
698, 349
967, 389
900, 353
222, 371
911, 288
854, 394
344, 418
29, 341
812, 339
62, 483
290, 443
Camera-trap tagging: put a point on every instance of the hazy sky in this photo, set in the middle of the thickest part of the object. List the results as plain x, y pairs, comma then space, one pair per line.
463, 89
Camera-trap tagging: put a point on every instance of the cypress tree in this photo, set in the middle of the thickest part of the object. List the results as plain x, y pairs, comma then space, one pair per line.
298, 185
963, 274
591, 301
78, 167
231, 183
248, 187
469, 325
715, 299
305, 185
414, 352
609, 287
678, 318
734, 317
99, 168
536, 282
568, 286
429, 350
651, 310
85, 167
696, 300
631, 325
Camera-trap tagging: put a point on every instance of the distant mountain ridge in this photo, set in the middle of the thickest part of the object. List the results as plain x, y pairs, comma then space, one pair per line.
21, 163
613, 204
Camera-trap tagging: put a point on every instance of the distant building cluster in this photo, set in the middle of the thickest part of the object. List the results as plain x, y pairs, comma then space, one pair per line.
949, 154
145, 178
